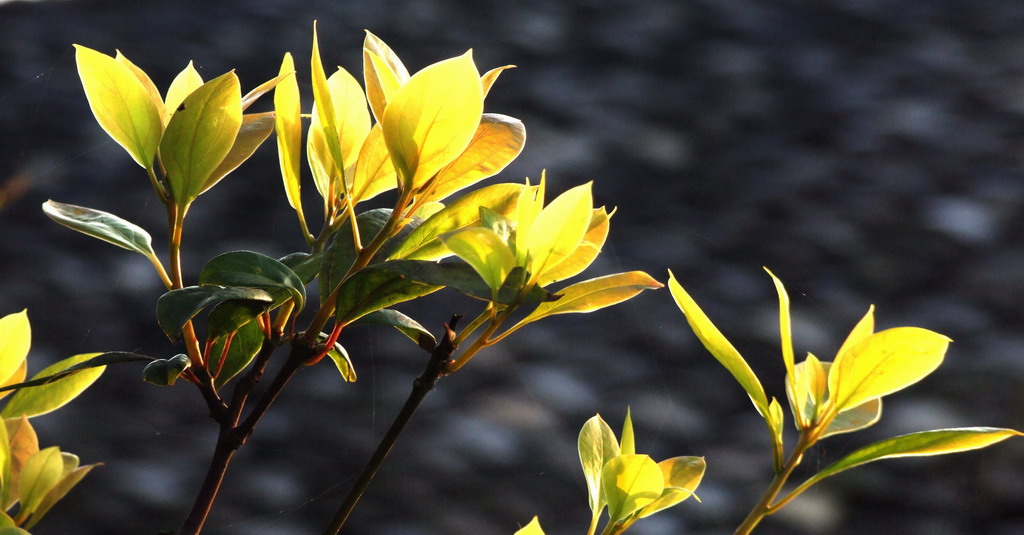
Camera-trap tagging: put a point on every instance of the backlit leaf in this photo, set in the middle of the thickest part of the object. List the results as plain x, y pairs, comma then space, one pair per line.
264, 88
811, 376
177, 307
102, 225
682, 476
860, 417
432, 118
199, 135
374, 173
339, 356
485, 251
584, 255
325, 116
121, 103
630, 483
15, 341
597, 445
558, 229
864, 328
288, 125
424, 243
489, 77
719, 346
786, 331
99, 360
53, 395
533, 528
23, 443
352, 118
245, 344
498, 140
383, 73
187, 81
253, 270
374, 288
883, 363
147, 82
68, 481
593, 294
461, 277
39, 475
255, 129
529, 205
19, 375
627, 442
925, 443
404, 324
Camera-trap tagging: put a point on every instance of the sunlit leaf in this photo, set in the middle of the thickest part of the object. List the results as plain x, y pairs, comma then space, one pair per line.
593, 294
786, 333
177, 307
68, 481
255, 129
374, 173
19, 375
305, 265
883, 363
121, 103
39, 400
165, 372
98, 360
462, 277
498, 140
529, 205
584, 255
864, 328
682, 476
630, 483
807, 389
245, 344
39, 475
854, 419
253, 270
719, 346
374, 288
187, 81
339, 356
925, 443
559, 228
15, 341
533, 528
147, 82
23, 443
264, 88
489, 77
383, 73
627, 442
485, 251
102, 225
324, 116
432, 118
352, 118
288, 125
199, 135
597, 445
404, 324
424, 243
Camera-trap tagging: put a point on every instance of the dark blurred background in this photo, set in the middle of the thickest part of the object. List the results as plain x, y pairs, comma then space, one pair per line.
867, 151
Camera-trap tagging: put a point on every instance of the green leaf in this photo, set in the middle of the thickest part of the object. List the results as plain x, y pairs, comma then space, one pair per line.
199, 135
485, 251
498, 140
406, 325
105, 226
54, 393
15, 341
461, 277
339, 257
424, 243
339, 356
682, 476
40, 474
245, 344
253, 270
925, 443
630, 483
594, 294
255, 129
597, 445
165, 372
175, 308
121, 103
883, 363
305, 265
12, 531
719, 346
432, 118
230, 316
533, 528
374, 288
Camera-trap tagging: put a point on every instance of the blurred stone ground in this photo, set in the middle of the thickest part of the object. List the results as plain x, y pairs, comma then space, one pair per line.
867, 151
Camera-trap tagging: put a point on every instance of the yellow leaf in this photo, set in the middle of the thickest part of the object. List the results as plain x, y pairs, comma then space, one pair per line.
383, 73
24, 443
627, 442
585, 254
51, 396
323, 130
719, 346
40, 474
630, 483
485, 251
351, 117
154, 93
288, 125
883, 363
187, 81
854, 419
533, 528
593, 294
15, 340
254, 130
558, 230
321, 163
529, 205
432, 118
262, 89
121, 103
498, 140
786, 334
806, 390
864, 328
18, 376
199, 135
596, 445
682, 476
375, 173
489, 77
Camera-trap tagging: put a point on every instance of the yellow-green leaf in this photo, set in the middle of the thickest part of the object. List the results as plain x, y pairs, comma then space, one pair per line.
339, 356
255, 129
351, 117
925, 443
39, 475
806, 390
489, 77
18, 376
630, 483
682, 476
585, 254
264, 88
383, 73
719, 346
485, 251
533, 528
597, 445
69, 479
324, 118
200, 135
627, 443
432, 118
786, 333
883, 363
154, 93
187, 81
498, 140
424, 242
288, 125
375, 172
121, 103
15, 340
38, 400
558, 229
593, 294
860, 417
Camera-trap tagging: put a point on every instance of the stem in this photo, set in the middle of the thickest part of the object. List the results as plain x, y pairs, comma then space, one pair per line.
765, 507
420, 387
593, 524
227, 445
